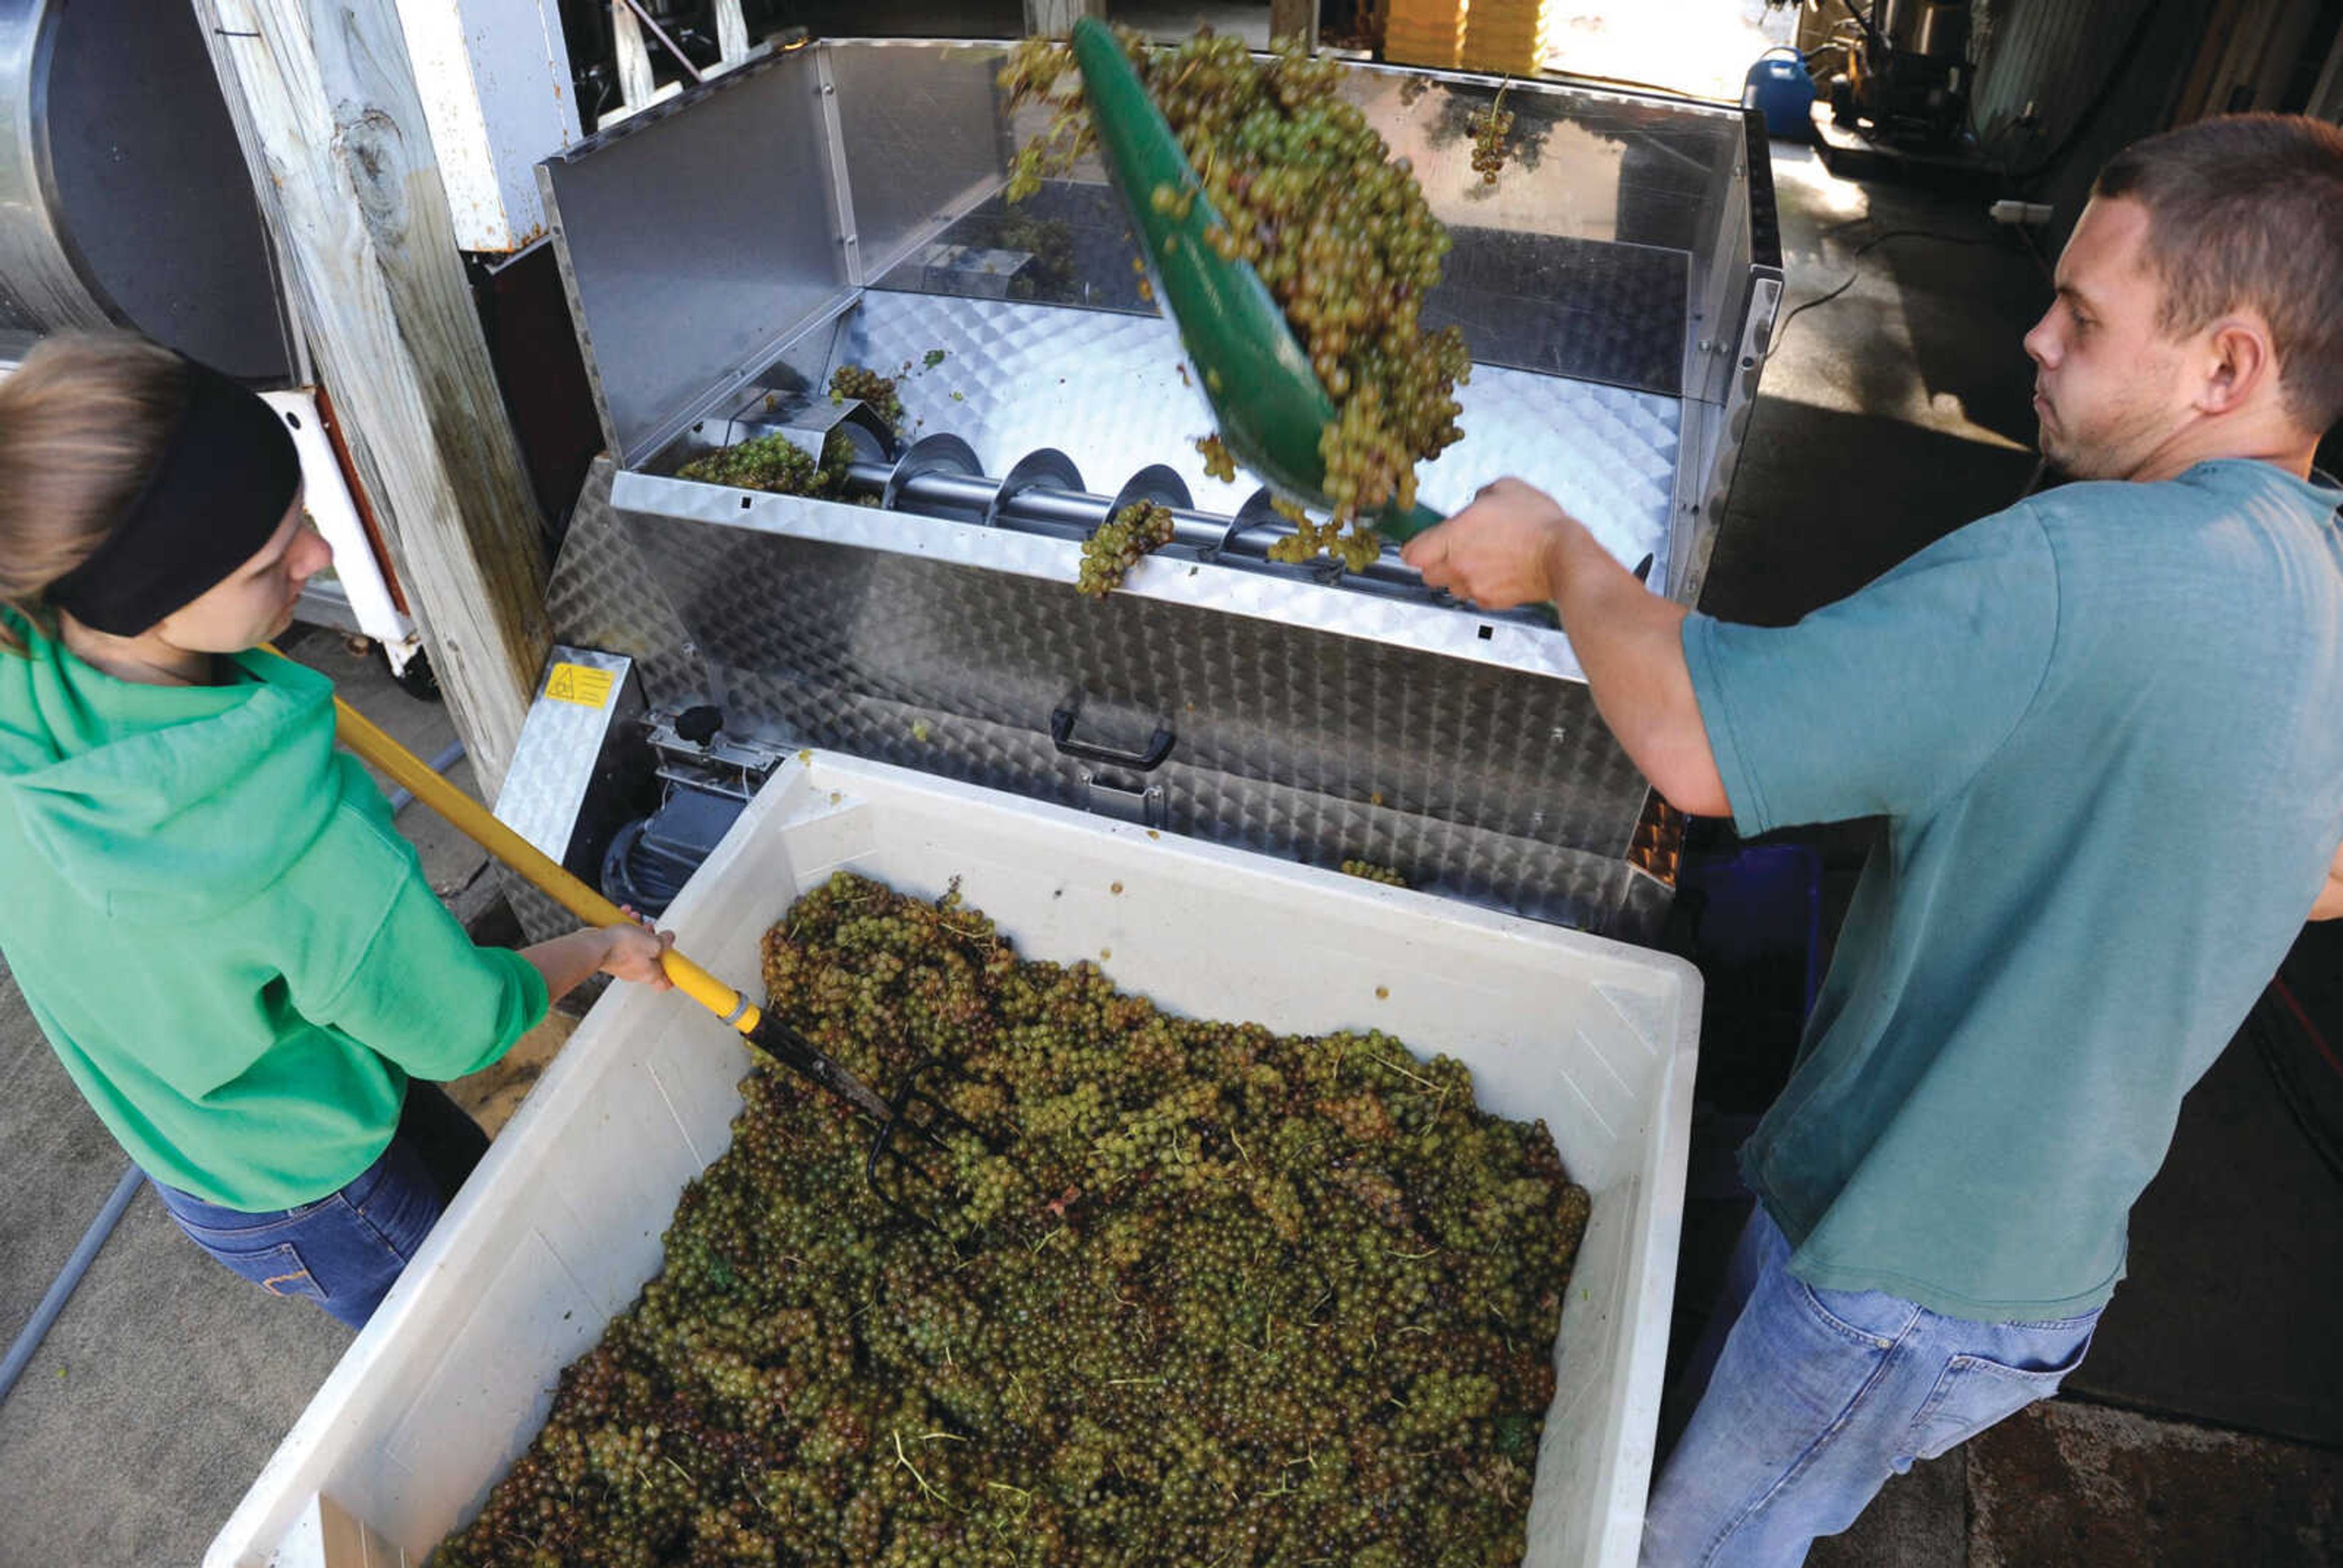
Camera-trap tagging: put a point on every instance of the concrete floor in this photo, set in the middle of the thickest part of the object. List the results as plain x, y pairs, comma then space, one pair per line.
1890, 415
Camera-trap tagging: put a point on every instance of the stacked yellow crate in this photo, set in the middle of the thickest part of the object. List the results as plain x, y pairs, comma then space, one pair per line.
1509, 37
1424, 32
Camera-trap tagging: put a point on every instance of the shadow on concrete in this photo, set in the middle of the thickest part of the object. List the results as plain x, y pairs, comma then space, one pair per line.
1826, 501
1972, 354
2227, 1312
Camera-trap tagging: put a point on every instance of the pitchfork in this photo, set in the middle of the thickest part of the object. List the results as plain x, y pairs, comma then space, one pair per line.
912, 1115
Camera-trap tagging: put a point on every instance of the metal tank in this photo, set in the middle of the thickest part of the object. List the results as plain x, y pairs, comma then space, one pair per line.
124, 198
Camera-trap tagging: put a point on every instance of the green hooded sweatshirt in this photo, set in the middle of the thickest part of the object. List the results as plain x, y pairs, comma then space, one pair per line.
232, 951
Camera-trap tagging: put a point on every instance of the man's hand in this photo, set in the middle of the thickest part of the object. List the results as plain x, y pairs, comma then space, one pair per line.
633, 953
1516, 546
1501, 551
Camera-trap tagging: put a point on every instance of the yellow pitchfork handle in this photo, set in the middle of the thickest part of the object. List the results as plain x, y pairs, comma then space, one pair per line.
545, 874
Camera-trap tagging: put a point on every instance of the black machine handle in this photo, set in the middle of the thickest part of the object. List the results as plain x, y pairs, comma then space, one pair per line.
1062, 736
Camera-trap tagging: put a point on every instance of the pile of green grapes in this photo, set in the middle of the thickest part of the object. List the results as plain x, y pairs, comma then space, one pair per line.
1118, 544
878, 391
1211, 1295
775, 463
1338, 228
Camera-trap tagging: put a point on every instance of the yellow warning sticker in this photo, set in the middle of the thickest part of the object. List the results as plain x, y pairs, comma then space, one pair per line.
577, 683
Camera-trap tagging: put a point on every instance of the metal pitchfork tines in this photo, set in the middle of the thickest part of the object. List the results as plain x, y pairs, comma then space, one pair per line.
913, 1114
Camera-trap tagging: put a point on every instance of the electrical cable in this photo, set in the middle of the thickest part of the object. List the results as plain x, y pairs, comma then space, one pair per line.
1783, 326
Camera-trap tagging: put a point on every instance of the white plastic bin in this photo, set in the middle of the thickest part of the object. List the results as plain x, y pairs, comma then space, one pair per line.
560, 1227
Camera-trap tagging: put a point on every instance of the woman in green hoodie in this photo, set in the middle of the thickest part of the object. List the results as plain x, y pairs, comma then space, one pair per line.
232, 951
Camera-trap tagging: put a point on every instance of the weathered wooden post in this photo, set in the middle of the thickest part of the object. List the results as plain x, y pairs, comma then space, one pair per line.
325, 105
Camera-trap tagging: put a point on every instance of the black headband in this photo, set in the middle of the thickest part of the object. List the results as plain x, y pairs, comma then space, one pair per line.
217, 496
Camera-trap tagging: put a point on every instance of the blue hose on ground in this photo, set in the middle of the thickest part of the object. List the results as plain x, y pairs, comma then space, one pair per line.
400, 799
61, 1290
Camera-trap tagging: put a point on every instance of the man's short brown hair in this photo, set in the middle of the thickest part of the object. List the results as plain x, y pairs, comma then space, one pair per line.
2247, 210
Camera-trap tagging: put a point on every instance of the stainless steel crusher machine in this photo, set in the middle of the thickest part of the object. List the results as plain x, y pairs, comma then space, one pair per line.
841, 203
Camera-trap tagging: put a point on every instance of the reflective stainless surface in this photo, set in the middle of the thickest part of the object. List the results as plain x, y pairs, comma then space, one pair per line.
1607, 273
562, 742
1110, 391
1487, 782
937, 454
924, 137
123, 197
949, 650
1416, 620
1045, 467
1583, 162
843, 218
1615, 287
694, 238
603, 595
1062, 510
40, 285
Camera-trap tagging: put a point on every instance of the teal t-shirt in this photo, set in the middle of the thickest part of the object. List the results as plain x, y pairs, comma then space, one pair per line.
2105, 730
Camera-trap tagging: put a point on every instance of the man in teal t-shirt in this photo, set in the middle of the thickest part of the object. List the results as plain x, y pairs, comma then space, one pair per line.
2105, 729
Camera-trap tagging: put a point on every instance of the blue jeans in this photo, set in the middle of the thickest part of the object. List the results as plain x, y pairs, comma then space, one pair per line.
1814, 1398
344, 1250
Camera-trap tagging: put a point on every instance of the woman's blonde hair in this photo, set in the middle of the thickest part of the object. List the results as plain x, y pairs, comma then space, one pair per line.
83, 421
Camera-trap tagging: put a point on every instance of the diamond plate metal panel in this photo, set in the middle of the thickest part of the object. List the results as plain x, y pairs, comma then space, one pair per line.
1319, 720
1107, 389
562, 742
1493, 784
1478, 865
1402, 613
602, 596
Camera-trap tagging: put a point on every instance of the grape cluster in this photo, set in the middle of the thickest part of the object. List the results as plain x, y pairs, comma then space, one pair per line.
1219, 462
1388, 876
1210, 1295
1489, 129
777, 464
1117, 544
1052, 275
879, 391
1309, 195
